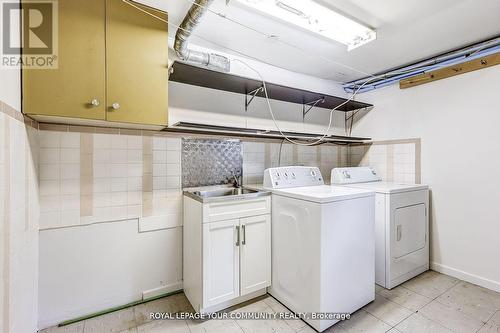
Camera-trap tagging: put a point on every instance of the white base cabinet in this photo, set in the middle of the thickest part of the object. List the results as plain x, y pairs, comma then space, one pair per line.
227, 252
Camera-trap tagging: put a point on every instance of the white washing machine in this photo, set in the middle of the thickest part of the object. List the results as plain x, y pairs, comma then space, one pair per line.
323, 244
401, 224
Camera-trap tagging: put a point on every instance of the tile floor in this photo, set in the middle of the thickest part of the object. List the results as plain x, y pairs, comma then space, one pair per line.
431, 302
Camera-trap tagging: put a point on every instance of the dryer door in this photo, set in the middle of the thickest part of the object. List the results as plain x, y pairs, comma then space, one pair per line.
410, 229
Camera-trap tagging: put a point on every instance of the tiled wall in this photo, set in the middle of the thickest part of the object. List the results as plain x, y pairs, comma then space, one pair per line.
395, 161
18, 222
90, 177
258, 156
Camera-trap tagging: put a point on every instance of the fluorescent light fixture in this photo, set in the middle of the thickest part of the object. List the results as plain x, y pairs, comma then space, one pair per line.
316, 18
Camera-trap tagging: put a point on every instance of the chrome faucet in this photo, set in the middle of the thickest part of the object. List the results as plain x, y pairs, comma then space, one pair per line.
236, 180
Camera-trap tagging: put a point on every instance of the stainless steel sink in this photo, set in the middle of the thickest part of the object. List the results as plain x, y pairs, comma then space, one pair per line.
223, 194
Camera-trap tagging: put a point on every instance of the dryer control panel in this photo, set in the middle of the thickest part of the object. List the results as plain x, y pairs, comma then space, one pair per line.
292, 176
342, 176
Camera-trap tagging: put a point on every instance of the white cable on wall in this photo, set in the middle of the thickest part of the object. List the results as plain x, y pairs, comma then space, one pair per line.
274, 118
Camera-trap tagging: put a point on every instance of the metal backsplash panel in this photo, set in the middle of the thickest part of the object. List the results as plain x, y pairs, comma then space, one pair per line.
210, 162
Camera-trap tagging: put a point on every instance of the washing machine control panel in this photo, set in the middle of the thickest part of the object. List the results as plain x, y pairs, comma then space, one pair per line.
292, 176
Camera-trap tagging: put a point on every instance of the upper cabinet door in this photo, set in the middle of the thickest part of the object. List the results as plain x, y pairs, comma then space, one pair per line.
77, 88
255, 253
137, 64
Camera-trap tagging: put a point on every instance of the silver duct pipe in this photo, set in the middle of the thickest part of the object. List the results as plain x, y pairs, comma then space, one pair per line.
181, 47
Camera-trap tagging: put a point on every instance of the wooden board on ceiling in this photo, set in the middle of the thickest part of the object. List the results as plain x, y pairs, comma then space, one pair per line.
450, 71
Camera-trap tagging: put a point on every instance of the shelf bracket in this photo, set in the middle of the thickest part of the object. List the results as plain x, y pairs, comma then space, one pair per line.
253, 93
310, 105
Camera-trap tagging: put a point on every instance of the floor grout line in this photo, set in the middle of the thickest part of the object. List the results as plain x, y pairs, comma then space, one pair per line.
398, 305
435, 322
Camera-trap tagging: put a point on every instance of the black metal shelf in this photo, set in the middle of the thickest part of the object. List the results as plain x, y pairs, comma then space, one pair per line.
185, 127
202, 77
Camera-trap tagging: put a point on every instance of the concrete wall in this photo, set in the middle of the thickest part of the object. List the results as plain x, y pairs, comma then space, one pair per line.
457, 120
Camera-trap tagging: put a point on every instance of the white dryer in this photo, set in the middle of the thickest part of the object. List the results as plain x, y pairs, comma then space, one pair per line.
401, 224
323, 245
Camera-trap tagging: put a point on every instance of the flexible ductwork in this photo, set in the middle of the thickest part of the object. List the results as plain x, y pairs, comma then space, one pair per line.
181, 45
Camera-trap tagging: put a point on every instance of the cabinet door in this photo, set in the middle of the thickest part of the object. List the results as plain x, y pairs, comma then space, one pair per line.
137, 64
255, 253
220, 262
80, 78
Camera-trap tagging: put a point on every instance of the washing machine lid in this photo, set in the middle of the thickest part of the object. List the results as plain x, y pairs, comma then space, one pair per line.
389, 187
323, 193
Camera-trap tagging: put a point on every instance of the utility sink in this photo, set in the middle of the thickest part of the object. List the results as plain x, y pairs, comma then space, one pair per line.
224, 194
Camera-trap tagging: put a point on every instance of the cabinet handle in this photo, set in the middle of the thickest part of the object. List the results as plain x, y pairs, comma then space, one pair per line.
237, 235
95, 102
398, 233
244, 235
115, 106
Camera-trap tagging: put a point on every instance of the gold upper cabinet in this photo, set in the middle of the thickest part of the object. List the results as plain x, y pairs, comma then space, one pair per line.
137, 64
77, 88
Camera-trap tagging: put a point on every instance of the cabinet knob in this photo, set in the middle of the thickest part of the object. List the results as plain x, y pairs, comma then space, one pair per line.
115, 106
95, 102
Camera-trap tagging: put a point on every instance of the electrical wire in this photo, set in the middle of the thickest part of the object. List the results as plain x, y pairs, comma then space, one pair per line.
145, 11
270, 109
279, 154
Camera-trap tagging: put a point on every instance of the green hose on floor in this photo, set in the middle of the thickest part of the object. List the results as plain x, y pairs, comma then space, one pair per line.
121, 307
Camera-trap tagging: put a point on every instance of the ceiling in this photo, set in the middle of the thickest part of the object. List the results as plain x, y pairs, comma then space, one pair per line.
407, 31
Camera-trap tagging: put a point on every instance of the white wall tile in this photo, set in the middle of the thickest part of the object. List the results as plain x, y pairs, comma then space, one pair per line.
134, 156
119, 184
119, 170
119, 156
49, 171
173, 144
102, 156
134, 170
50, 220
119, 199
119, 142
49, 155
70, 202
50, 139
134, 184
173, 182
70, 155
134, 142
70, 171
102, 185
102, 141
159, 143
70, 217
173, 169
173, 156
134, 198
159, 169
70, 140
70, 186
50, 203
159, 156
49, 187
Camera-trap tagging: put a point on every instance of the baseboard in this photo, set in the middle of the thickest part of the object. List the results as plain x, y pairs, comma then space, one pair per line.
475, 279
161, 290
